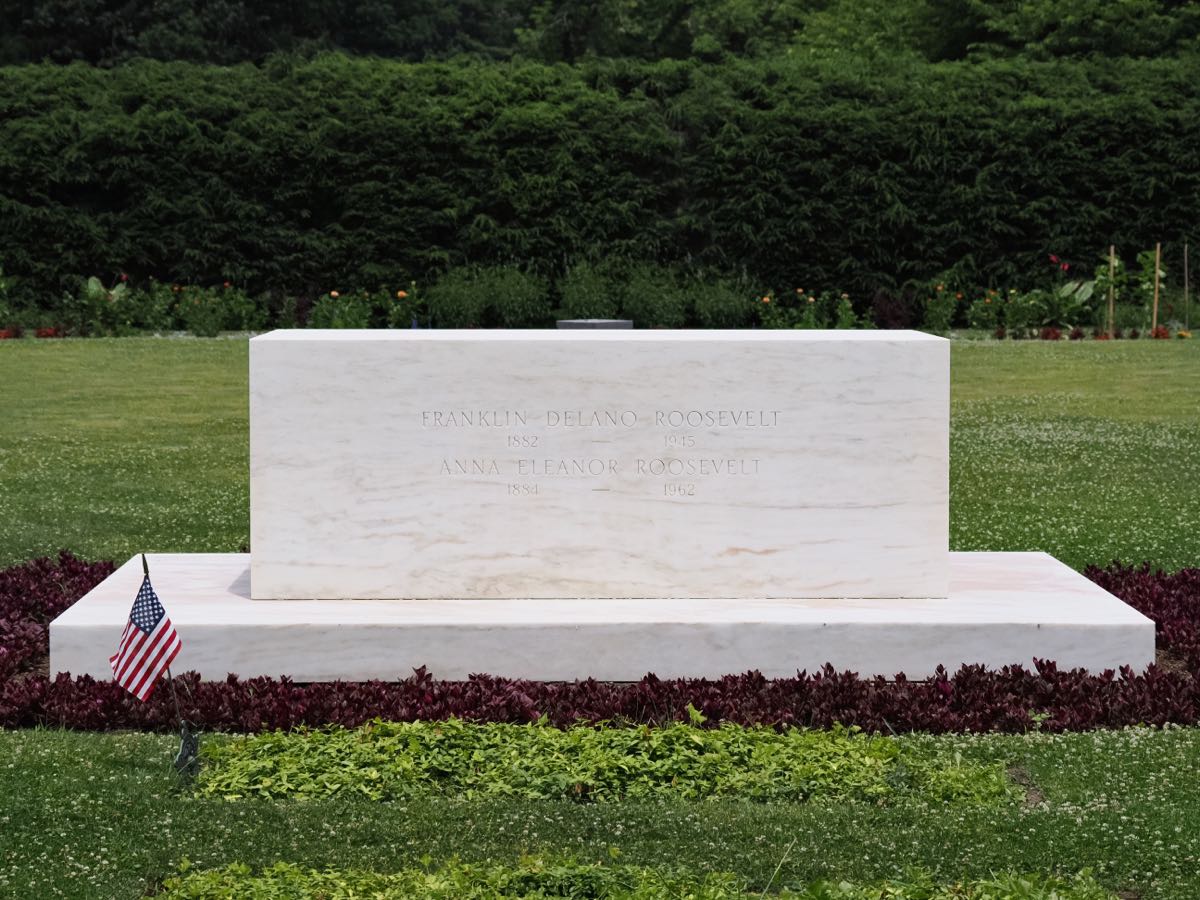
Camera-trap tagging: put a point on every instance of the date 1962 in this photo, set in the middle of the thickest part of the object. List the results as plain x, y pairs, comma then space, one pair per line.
679, 489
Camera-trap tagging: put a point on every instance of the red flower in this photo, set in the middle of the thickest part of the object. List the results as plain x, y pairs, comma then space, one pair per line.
1065, 267
124, 277
1054, 259
227, 285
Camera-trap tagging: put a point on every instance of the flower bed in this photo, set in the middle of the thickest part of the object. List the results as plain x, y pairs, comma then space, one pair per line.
1012, 699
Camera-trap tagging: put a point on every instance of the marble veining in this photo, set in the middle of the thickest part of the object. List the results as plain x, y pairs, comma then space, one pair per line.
586, 464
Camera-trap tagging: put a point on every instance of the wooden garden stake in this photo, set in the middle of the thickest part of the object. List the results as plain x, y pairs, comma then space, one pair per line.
1187, 300
1157, 266
1112, 289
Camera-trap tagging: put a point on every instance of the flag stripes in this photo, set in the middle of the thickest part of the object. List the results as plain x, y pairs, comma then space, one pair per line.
147, 646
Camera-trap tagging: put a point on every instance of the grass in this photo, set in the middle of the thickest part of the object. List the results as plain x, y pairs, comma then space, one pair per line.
101, 816
1086, 450
111, 447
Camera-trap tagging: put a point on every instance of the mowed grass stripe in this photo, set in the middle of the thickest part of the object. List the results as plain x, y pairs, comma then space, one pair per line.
402, 760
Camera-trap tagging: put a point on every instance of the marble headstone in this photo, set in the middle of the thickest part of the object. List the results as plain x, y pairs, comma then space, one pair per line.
598, 464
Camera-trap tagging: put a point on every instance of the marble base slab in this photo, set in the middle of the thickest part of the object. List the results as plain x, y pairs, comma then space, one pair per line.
1003, 608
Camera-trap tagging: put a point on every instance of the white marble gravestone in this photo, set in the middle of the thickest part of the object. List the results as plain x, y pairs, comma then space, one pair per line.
598, 464
573, 504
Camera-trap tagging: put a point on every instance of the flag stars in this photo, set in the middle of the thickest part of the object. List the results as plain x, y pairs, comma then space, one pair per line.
147, 611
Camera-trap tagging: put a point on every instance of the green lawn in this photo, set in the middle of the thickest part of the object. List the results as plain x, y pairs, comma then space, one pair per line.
110, 447
85, 815
1089, 451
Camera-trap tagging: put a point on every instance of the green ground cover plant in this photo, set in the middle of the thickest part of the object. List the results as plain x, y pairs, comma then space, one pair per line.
102, 816
399, 760
1084, 450
537, 878
454, 881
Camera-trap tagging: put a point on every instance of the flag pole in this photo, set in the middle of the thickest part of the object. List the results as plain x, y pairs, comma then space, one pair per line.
175, 698
188, 745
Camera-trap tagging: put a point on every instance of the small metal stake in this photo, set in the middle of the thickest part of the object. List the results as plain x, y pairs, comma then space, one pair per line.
187, 760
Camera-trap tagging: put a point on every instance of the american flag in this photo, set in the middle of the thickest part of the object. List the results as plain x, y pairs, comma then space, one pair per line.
148, 645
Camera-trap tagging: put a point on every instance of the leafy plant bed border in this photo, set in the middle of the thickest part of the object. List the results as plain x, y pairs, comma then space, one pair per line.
1013, 699
542, 878
396, 761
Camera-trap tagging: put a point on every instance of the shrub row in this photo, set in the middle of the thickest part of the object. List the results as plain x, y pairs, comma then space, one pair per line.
297, 177
1013, 699
653, 296
507, 297
399, 760
541, 878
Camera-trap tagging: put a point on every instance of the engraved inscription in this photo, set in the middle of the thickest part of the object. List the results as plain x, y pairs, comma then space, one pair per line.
470, 467
717, 418
685, 453
675, 466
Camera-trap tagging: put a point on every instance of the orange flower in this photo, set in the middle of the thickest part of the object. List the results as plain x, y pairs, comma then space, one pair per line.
940, 288
333, 294
401, 294
799, 290
766, 300
987, 299
958, 296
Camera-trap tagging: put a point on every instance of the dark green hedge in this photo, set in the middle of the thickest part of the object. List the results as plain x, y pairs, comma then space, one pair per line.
299, 177
226, 32
108, 32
